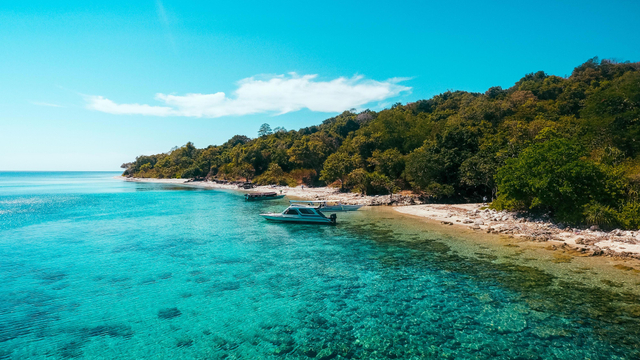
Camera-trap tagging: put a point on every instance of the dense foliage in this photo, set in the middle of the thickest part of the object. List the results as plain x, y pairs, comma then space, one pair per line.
567, 147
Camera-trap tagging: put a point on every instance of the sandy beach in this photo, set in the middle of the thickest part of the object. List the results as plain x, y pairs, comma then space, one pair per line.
477, 217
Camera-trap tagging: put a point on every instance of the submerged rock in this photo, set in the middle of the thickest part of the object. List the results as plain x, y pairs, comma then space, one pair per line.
169, 313
184, 343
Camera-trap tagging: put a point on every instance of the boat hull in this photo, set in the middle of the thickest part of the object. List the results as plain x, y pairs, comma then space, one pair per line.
299, 220
262, 198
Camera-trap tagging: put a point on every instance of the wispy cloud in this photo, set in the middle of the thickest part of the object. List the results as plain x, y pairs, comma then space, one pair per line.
46, 104
162, 14
278, 94
164, 21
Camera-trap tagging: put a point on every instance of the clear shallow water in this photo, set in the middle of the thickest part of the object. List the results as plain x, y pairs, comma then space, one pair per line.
93, 267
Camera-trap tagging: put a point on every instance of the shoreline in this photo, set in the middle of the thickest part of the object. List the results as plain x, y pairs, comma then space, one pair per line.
616, 243
588, 242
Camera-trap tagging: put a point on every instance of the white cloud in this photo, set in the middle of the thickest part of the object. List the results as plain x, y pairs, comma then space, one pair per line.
105, 105
278, 94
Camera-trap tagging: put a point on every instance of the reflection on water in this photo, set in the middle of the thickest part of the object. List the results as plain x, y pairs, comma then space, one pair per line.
122, 273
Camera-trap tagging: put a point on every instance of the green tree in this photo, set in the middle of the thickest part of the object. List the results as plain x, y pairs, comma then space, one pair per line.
389, 162
552, 176
265, 129
245, 170
311, 151
358, 180
337, 167
274, 175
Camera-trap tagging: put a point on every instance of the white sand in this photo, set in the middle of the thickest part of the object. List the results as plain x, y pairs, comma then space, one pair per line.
307, 193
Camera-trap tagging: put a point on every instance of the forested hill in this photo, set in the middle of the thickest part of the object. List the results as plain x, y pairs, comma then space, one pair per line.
569, 147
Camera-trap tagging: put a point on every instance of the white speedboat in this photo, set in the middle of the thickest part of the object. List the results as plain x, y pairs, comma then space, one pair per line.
326, 205
301, 214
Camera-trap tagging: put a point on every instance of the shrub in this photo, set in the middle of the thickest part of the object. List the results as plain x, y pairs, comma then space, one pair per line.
553, 177
504, 203
601, 215
370, 183
629, 216
273, 176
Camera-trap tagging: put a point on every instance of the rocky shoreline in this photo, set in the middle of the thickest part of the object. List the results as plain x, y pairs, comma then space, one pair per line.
586, 241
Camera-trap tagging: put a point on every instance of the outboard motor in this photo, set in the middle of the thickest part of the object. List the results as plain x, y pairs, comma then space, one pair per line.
333, 218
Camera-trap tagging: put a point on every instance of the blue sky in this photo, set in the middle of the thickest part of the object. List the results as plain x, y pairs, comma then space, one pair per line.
87, 85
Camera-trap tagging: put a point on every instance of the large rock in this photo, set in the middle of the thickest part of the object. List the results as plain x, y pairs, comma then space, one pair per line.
479, 222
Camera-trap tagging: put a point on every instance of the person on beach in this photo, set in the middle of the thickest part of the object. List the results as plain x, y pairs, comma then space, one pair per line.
484, 200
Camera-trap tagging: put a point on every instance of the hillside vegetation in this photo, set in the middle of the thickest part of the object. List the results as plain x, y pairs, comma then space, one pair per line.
567, 147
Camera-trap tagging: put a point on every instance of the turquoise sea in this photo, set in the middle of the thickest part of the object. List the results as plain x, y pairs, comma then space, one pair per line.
92, 267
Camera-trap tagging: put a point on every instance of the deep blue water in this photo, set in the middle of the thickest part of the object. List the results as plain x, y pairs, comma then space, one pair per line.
93, 267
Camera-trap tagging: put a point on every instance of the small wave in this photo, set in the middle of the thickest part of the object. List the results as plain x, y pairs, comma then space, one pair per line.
24, 201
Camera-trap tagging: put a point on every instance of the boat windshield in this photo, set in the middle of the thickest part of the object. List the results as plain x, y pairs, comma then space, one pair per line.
304, 211
291, 212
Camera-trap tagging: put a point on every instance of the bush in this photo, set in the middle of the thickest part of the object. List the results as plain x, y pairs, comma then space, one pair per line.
552, 177
191, 172
629, 216
273, 176
380, 184
503, 203
370, 183
601, 215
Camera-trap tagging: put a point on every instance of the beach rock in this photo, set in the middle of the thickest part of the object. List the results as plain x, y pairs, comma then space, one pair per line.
479, 222
594, 228
467, 221
596, 252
